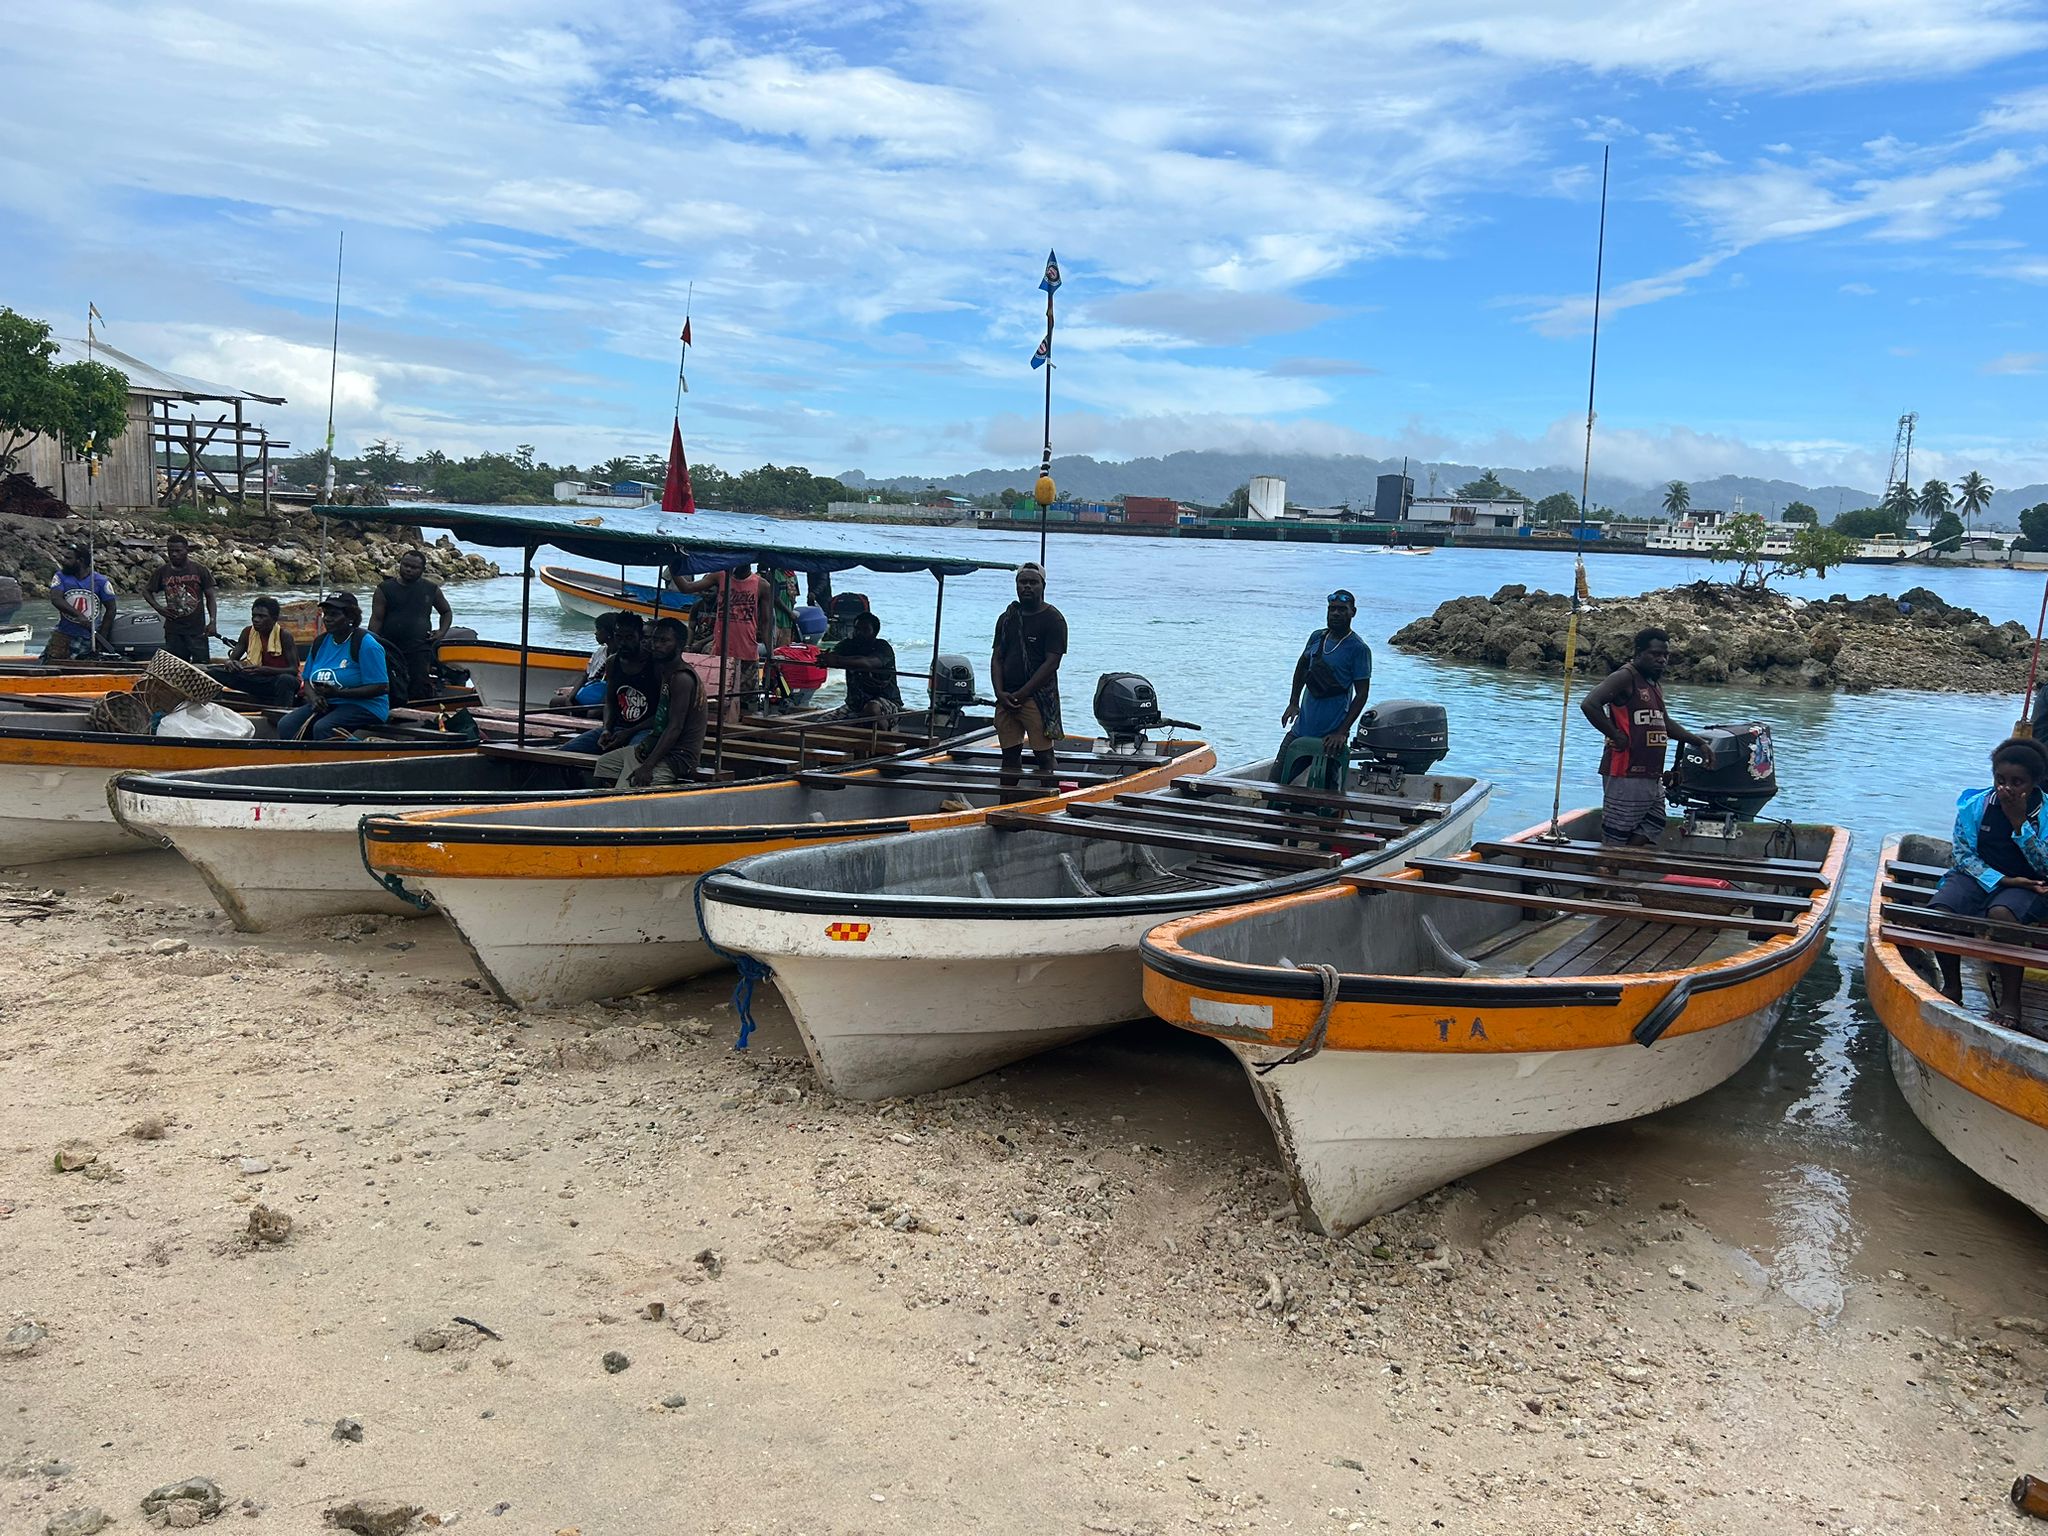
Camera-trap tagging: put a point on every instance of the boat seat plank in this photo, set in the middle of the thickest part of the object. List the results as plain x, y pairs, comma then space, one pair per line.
2020, 935
820, 779
1223, 872
970, 774
1643, 889
1932, 873
1285, 858
1112, 760
1166, 799
1218, 784
544, 757
1758, 871
1762, 927
1226, 826
1969, 946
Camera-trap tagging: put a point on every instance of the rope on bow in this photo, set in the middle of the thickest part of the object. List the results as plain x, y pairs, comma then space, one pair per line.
1321, 1028
751, 971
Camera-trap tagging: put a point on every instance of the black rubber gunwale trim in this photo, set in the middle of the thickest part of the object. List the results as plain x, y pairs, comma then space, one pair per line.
400, 834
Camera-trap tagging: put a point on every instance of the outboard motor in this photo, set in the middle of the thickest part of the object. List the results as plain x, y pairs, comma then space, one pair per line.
1400, 737
953, 690
1732, 780
1127, 708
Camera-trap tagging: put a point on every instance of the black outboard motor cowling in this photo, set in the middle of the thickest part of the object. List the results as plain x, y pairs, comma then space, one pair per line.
953, 685
1126, 706
1736, 776
1408, 735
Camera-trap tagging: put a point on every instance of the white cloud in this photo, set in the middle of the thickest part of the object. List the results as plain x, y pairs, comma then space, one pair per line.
1857, 290
2017, 362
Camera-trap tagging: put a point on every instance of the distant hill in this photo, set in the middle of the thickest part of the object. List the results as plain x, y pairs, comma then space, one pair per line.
1326, 480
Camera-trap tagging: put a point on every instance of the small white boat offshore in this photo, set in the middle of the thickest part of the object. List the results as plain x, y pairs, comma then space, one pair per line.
1980, 1088
1401, 1031
14, 639
279, 843
568, 900
588, 594
55, 773
914, 963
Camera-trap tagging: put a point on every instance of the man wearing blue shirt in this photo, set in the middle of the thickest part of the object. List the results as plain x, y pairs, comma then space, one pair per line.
347, 684
1335, 674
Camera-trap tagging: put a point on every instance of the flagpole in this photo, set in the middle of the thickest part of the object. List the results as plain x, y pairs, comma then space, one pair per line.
1043, 492
683, 357
1571, 637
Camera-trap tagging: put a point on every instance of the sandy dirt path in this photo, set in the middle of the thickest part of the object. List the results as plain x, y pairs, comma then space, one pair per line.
1070, 1297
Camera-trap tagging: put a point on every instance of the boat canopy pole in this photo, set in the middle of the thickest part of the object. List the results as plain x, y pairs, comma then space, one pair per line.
931, 707
727, 672
1579, 591
2025, 725
525, 631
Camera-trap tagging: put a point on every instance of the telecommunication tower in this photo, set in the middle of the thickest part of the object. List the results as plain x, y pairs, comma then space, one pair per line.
1901, 472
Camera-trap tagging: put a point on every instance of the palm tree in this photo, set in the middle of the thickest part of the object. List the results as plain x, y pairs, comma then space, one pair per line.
1935, 499
1677, 497
1974, 494
1900, 504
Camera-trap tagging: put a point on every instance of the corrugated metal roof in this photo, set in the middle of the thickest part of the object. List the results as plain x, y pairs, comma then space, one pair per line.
145, 380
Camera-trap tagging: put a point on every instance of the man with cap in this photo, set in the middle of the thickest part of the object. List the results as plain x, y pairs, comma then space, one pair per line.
1335, 672
347, 680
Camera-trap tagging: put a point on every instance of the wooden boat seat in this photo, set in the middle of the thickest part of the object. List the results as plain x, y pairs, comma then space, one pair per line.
1193, 820
1931, 874
1970, 946
1238, 810
1761, 927
969, 773
1615, 946
1649, 861
540, 757
1645, 891
1219, 784
1159, 837
1998, 930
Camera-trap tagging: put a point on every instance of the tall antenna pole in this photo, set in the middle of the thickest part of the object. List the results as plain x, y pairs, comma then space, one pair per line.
1043, 492
1579, 594
333, 371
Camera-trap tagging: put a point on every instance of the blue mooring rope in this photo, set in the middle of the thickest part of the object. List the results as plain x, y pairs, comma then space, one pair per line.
750, 969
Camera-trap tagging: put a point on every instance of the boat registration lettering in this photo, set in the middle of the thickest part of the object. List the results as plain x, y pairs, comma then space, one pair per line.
853, 933
1212, 1010
1476, 1030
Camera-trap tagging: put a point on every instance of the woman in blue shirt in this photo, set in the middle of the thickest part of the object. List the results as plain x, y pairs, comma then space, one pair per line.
1998, 862
347, 684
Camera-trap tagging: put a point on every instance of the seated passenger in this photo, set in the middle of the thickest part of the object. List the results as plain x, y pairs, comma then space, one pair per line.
1998, 863
667, 751
347, 681
591, 689
264, 661
869, 662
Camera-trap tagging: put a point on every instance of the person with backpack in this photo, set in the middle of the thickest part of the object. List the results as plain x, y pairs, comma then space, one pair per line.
347, 682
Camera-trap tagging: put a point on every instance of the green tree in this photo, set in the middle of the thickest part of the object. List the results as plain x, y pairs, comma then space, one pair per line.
1743, 541
1238, 503
1488, 487
1901, 503
1677, 497
2034, 526
1974, 495
1935, 500
83, 405
1815, 549
1800, 512
1010, 497
1558, 507
1870, 522
385, 462
1947, 533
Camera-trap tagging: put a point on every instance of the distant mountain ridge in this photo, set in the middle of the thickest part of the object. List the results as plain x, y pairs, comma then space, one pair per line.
1326, 480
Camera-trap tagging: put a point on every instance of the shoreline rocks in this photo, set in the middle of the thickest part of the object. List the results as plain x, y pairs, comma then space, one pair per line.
251, 553
1726, 634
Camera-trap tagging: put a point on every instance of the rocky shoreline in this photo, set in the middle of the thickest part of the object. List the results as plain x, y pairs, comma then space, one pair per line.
1725, 634
245, 554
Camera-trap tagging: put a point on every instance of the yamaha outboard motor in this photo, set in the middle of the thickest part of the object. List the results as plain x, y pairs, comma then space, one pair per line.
1733, 779
952, 691
1127, 708
1400, 737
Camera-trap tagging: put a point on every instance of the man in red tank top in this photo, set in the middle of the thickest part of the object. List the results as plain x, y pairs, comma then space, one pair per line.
1628, 710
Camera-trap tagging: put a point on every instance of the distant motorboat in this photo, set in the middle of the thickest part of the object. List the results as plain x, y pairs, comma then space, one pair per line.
587, 594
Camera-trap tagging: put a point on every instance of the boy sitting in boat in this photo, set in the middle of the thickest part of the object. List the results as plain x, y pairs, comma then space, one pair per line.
1998, 863
1628, 709
263, 662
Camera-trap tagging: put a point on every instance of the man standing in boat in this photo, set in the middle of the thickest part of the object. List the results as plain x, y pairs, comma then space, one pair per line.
84, 600
181, 591
742, 611
411, 616
1628, 709
1031, 641
1335, 671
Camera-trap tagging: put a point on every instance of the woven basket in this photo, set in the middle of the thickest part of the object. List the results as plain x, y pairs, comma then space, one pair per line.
180, 677
118, 714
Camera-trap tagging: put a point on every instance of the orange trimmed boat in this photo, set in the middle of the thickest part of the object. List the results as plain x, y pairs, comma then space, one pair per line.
1402, 1031
1980, 1088
565, 900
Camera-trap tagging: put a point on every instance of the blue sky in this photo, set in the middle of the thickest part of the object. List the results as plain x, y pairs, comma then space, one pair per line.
1316, 227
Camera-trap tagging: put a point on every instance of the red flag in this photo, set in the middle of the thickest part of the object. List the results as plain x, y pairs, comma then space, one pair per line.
676, 495
686, 332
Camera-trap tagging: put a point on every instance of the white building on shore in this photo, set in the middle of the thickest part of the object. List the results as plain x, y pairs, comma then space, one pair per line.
1704, 530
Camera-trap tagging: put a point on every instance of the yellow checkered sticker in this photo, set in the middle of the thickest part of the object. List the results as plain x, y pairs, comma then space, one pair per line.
850, 932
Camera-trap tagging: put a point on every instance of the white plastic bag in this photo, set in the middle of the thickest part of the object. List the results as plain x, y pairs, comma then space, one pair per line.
207, 722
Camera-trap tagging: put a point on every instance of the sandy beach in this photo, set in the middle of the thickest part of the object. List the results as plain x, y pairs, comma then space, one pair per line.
1070, 1297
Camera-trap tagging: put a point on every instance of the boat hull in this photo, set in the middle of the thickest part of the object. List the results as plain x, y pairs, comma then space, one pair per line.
882, 1018
1981, 1090
589, 595
494, 672
554, 919
1364, 1132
